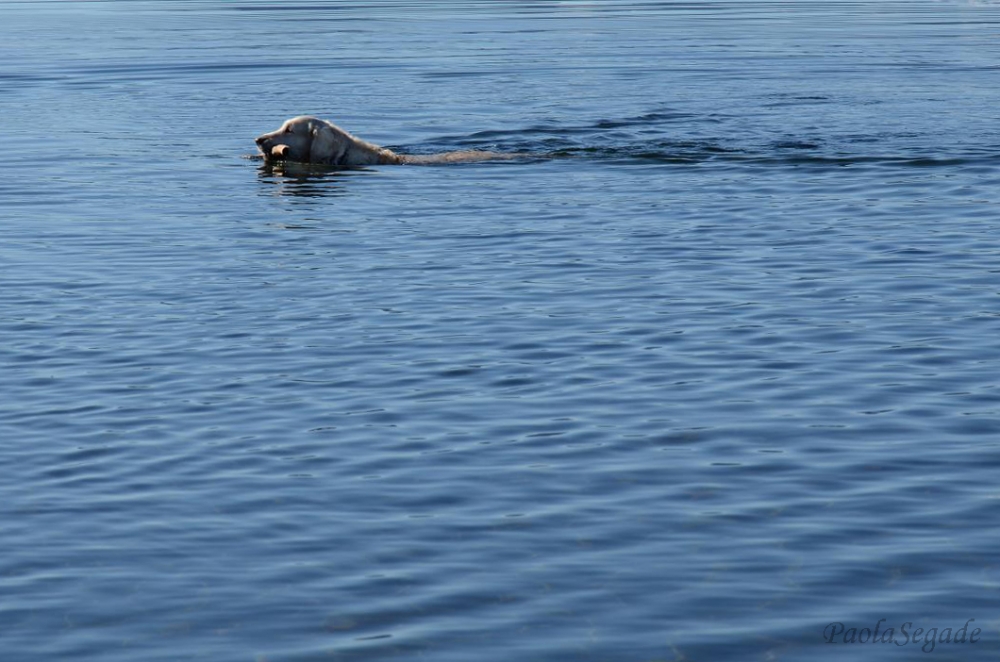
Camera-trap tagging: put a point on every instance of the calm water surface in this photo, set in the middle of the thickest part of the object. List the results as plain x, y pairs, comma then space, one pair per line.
718, 368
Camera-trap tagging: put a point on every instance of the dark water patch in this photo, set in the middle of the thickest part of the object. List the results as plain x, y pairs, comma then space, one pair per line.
555, 141
783, 154
289, 7
10, 81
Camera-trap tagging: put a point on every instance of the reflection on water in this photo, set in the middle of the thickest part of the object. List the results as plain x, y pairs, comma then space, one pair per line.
305, 180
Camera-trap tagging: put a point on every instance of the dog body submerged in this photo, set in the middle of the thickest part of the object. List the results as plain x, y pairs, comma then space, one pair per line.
308, 139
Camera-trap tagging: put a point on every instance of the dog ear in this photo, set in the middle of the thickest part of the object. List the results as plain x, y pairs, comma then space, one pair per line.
327, 146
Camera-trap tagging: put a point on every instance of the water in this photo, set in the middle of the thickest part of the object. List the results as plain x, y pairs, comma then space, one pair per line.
715, 370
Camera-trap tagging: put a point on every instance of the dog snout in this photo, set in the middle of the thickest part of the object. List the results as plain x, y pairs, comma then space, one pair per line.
260, 140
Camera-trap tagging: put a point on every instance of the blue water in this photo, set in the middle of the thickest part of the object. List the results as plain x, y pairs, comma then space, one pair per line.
717, 367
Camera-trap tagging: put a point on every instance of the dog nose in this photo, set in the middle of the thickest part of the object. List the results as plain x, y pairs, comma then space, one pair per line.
260, 140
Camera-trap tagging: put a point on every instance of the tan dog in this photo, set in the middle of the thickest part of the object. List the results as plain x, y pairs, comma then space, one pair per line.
312, 140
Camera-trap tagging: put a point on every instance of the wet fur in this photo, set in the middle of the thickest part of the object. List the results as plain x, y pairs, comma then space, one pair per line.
309, 139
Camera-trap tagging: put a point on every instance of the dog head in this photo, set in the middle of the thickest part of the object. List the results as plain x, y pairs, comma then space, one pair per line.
305, 140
